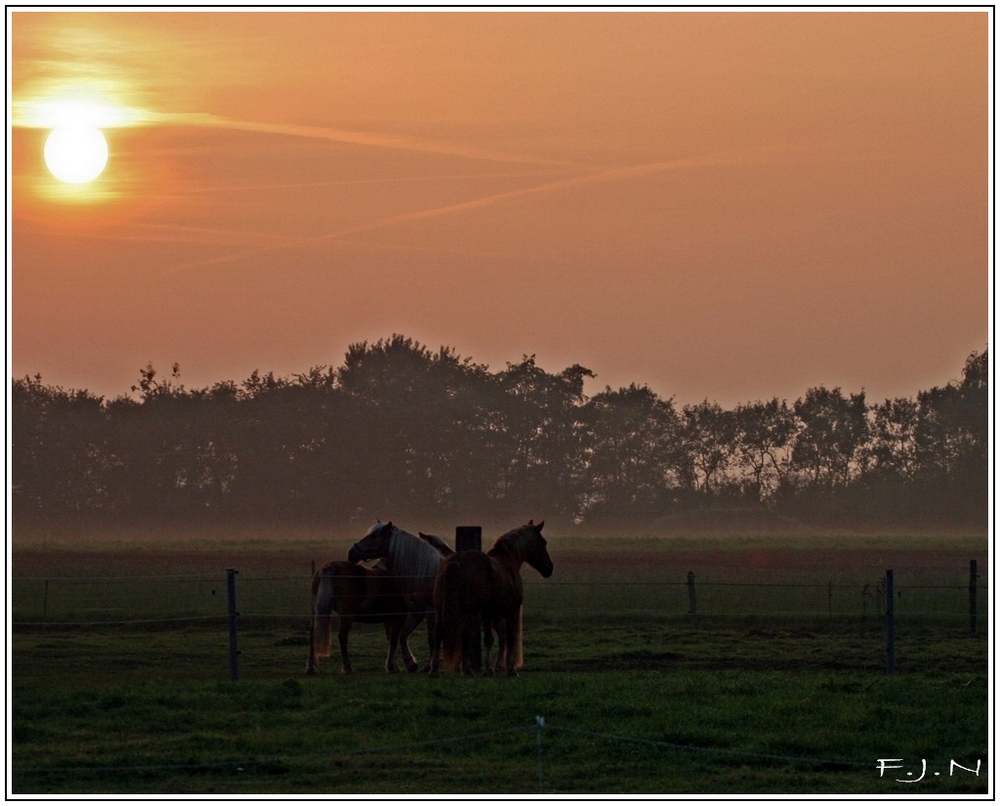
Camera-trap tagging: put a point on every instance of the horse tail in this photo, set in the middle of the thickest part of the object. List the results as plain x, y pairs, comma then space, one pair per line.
518, 645
321, 627
448, 614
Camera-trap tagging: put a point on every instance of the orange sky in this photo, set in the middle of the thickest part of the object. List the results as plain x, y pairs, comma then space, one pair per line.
721, 205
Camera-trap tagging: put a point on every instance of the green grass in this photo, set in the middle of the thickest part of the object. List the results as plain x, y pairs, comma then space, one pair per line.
639, 708
612, 732
770, 690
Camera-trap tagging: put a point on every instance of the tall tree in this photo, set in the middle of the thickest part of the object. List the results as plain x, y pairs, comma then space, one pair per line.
834, 428
537, 434
707, 438
57, 448
952, 444
763, 436
414, 421
636, 455
892, 445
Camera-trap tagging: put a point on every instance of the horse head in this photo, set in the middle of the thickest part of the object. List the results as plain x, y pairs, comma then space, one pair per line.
530, 547
374, 544
538, 554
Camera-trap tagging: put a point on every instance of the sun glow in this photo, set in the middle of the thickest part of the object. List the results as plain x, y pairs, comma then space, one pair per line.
58, 112
76, 153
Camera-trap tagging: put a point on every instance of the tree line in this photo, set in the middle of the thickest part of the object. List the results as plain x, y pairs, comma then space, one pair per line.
400, 428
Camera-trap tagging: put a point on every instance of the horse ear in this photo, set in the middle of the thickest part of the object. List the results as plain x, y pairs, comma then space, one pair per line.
389, 524
539, 527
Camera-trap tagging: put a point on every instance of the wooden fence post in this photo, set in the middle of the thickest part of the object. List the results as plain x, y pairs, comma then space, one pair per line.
470, 538
890, 613
234, 651
973, 580
692, 601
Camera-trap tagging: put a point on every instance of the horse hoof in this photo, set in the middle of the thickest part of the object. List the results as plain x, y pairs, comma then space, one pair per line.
346, 670
310, 671
412, 667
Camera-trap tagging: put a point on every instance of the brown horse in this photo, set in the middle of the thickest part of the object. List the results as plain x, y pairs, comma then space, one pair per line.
356, 593
474, 589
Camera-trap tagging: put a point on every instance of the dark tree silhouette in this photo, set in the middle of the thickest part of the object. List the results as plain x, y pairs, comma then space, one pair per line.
402, 430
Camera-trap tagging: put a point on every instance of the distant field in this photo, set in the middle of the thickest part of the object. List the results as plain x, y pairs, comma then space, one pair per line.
777, 685
746, 575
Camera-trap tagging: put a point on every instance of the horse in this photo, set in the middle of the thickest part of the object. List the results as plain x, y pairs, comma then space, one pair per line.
474, 589
415, 561
356, 593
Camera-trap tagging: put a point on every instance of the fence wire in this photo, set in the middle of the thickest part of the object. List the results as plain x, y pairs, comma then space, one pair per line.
183, 598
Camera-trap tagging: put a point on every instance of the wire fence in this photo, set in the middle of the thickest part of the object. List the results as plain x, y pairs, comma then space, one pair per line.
184, 599
168, 602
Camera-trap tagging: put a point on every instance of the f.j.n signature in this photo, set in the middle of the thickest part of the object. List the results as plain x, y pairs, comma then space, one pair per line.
883, 764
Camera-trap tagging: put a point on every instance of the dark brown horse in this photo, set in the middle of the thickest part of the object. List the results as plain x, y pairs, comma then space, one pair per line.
356, 593
474, 589
413, 560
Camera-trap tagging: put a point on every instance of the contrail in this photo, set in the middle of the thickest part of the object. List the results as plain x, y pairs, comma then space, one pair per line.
376, 139
594, 177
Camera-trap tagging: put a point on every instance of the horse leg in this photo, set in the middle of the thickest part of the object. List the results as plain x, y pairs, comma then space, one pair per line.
470, 643
345, 629
513, 624
431, 627
463, 643
311, 663
488, 646
434, 661
392, 637
499, 625
406, 627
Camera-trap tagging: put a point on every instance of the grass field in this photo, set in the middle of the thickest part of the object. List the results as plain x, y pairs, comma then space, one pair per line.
778, 685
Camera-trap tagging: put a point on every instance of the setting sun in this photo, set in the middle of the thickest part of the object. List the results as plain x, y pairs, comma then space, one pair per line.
75, 151
76, 154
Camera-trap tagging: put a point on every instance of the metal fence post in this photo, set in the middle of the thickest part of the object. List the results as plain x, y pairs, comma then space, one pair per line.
234, 651
890, 613
692, 601
973, 579
539, 724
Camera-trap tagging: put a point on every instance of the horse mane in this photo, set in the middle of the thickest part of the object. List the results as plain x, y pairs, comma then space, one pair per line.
506, 544
412, 556
511, 541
